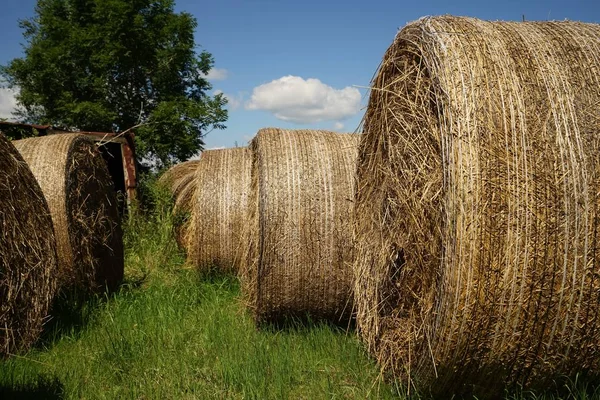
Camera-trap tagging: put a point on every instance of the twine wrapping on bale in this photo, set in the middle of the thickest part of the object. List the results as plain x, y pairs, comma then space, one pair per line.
78, 188
181, 183
477, 205
219, 209
28, 260
179, 176
298, 261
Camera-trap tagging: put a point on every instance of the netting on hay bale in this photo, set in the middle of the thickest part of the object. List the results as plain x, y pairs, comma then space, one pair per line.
477, 205
299, 226
83, 205
219, 207
180, 181
28, 260
179, 176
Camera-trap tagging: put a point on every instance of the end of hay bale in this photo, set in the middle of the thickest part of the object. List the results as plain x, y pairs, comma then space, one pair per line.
95, 216
477, 168
28, 261
218, 209
78, 188
180, 181
299, 234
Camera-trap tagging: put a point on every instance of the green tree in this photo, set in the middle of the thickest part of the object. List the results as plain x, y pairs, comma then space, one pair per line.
110, 65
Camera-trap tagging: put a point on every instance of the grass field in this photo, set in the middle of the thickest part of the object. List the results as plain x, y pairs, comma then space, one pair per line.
170, 334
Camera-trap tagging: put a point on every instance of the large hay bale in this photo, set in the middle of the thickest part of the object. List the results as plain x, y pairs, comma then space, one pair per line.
28, 260
181, 183
179, 176
300, 230
76, 184
219, 209
477, 205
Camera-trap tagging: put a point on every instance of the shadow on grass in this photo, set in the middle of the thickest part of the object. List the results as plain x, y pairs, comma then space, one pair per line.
132, 284
489, 384
72, 311
215, 276
69, 315
42, 388
582, 386
304, 322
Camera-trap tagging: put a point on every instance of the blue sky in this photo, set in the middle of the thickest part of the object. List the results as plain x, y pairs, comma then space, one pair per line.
303, 64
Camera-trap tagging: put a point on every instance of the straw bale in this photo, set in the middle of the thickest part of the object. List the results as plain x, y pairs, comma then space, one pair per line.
183, 209
181, 183
28, 260
179, 176
477, 205
219, 207
300, 230
78, 188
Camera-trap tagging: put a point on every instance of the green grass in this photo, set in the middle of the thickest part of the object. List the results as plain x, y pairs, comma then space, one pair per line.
192, 339
171, 334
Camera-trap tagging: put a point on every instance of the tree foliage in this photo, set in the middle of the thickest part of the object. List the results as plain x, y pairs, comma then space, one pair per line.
109, 65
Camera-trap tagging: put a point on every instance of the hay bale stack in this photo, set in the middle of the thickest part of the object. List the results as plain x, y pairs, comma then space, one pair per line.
300, 231
477, 205
219, 209
181, 183
78, 188
28, 260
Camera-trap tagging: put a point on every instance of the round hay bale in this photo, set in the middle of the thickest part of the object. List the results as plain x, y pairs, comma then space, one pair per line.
28, 260
83, 204
219, 207
477, 205
183, 209
179, 176
300, 232
181, 183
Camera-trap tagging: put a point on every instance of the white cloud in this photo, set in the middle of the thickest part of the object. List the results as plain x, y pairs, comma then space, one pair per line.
291, 98
338, 126
234, 101
8, 103
216, 74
